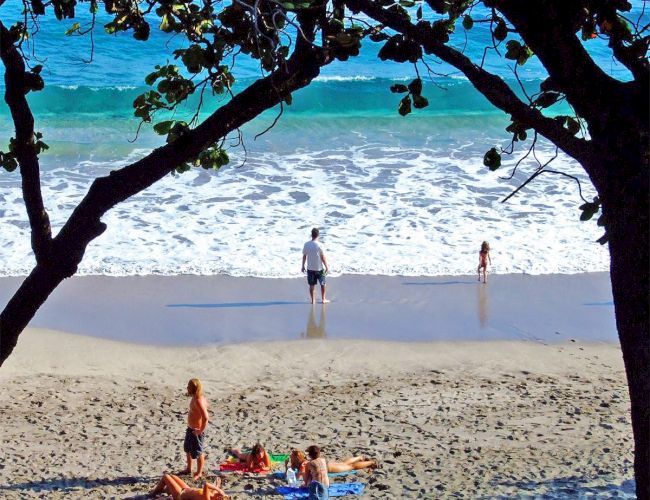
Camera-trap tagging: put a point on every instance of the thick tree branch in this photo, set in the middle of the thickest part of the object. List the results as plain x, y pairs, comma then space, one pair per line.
491, 86
85, 224
26, 155
549, 29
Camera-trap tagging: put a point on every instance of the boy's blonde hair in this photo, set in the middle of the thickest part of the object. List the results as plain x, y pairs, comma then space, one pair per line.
194, 387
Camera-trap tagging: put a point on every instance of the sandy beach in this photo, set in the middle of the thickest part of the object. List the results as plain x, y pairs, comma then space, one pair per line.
84, 417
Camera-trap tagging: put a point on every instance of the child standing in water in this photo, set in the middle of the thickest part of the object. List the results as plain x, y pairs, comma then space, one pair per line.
197, 421
483, 259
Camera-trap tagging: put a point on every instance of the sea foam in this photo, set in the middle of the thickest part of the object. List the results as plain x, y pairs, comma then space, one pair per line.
389, 201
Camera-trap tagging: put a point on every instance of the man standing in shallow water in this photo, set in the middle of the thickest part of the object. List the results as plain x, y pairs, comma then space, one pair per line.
314, 255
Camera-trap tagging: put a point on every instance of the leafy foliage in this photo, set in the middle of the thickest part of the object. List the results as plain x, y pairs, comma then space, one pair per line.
414, 96
492, 159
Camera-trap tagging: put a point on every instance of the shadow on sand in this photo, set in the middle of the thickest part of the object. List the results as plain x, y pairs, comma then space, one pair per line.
67, 484
439, 283
239, 304
572, 487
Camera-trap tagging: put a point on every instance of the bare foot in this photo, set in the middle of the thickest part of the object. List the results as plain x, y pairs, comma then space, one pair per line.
326, 301
197, 476
184, 472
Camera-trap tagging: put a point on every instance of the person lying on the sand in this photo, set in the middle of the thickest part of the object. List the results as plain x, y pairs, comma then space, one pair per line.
256, 459
179, 490
298, 461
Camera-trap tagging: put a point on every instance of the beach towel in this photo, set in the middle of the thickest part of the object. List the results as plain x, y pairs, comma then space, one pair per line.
283, 475
278, 457
335, 490
274, 457
239, 467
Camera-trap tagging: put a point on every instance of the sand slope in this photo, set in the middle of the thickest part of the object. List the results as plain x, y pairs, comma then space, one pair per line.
89, 418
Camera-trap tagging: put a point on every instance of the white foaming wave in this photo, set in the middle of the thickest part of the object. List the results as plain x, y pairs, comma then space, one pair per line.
341, 78
382, 210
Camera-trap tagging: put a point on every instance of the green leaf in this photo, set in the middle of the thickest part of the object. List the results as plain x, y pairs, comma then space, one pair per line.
589, 209
420, 102
33, 82
517, 52
398, 88
415, 87
512, 49
151, 78
72, 29
468, 22
141, 31
407, 3
418, 13
162, 128
110, 28
404, 106
500, 31
492, 159
288, 5
167, 23
183, 167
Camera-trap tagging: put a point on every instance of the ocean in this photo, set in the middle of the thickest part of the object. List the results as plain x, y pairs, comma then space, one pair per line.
392, 195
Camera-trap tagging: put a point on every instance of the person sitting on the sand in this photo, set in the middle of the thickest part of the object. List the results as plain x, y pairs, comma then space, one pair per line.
257, 459
298, 461
316, 475
179, 490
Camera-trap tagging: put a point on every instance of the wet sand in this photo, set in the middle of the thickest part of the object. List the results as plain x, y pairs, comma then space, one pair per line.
200, 310
83, 417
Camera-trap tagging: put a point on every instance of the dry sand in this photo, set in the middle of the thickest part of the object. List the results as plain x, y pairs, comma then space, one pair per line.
88, 418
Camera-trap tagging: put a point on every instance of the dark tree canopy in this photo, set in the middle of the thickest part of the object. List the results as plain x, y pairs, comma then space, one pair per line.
606, 130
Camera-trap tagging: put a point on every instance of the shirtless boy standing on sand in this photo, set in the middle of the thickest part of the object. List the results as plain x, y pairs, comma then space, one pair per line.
197, 421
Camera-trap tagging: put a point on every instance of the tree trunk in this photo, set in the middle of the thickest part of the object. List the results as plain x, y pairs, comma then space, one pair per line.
626, 208
33, 292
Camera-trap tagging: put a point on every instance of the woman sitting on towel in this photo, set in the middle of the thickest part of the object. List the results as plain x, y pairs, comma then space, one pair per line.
298, 461
257, 459
179, 490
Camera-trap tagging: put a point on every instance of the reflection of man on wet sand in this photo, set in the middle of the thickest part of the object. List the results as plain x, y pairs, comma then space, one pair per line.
315, 331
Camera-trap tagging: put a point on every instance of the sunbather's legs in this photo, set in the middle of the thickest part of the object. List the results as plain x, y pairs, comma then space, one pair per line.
347, 467
242, 457
169, 484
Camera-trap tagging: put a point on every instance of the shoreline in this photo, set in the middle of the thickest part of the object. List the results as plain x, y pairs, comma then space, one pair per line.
191, 310
90, 418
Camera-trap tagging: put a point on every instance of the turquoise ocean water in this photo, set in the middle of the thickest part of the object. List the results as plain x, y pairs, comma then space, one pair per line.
393, 195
